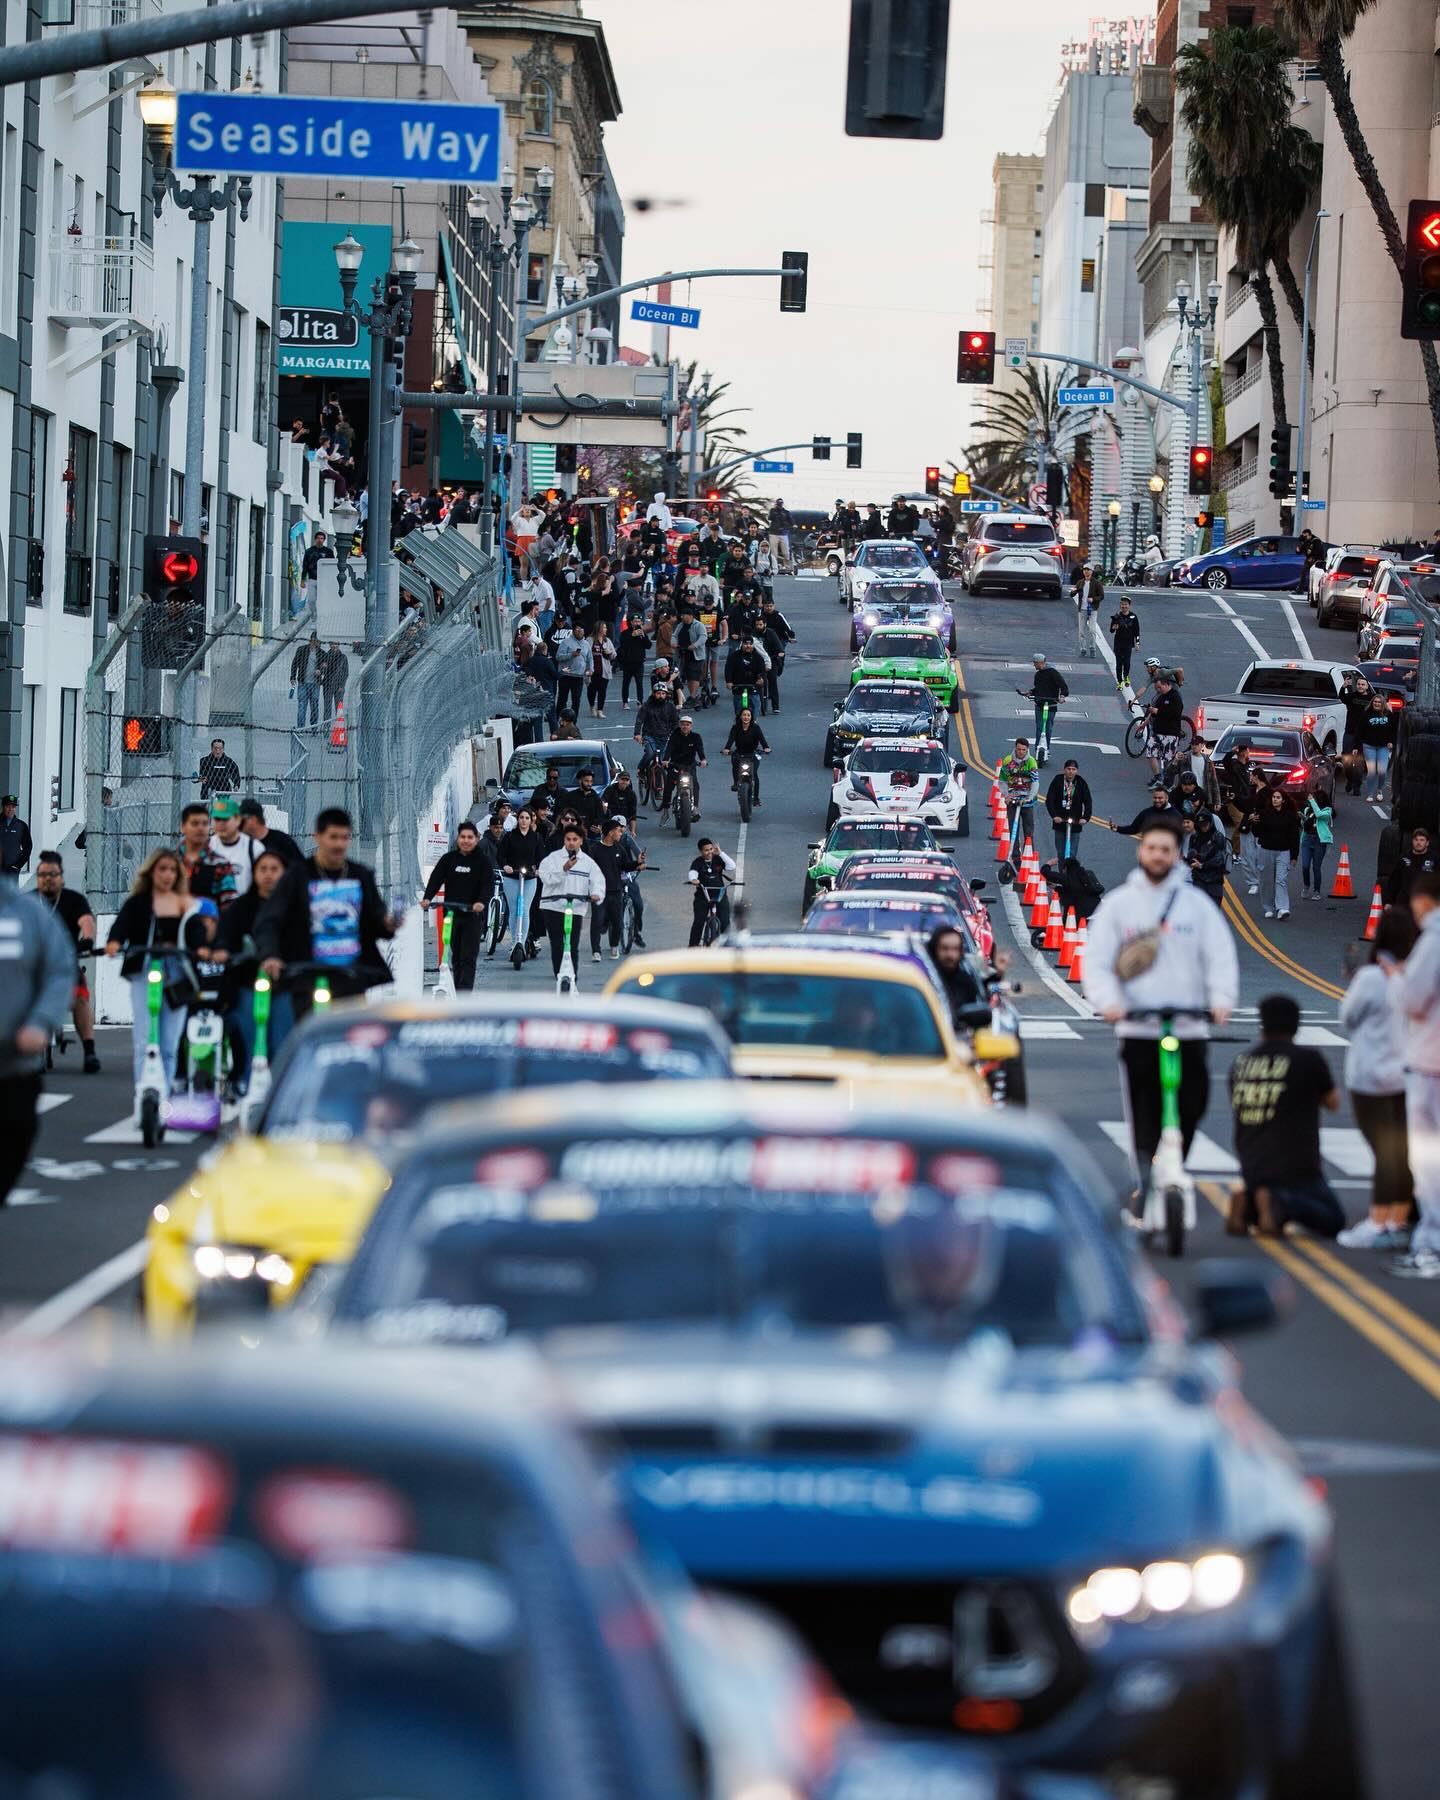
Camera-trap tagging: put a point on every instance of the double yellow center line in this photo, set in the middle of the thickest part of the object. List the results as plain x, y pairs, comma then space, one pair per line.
1251, 934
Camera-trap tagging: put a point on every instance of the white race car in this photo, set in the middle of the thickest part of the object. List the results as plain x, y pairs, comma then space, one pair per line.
886, 560
910, 778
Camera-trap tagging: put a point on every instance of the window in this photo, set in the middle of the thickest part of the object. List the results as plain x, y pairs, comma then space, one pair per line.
1239, 17
79, 521
9, 225
1094, 199
1034, 290
177, 498
260, 424
538, 107
232, 549
119, 536
69, 737
1087, 275
257, 562
537, 280
235, 362
36, 503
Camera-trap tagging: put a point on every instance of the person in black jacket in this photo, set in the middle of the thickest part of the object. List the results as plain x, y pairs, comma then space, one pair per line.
1208, 855
1125, 629
586, 803
16, 842
685, 750
1418, 858
1047, 689
468, 879
608, 857
775, 633
872, 526
1276, 830
234, 946
620, 797
1165, 714
744, 671
326, 910
262, 838
747, 741
1070, 808
1159, 809
962, 990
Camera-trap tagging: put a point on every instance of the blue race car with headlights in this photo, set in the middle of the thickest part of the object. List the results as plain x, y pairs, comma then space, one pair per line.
913, 600
899, 1375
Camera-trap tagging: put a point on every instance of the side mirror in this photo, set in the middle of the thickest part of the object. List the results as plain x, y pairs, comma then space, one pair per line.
974, 1018
1234, 1297
812, 846
959, 766
978, 887
491, 782
995, 1046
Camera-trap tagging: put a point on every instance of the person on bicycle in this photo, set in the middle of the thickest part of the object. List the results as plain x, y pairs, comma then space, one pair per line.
747, 743
709, 872
1047, 689
1157, 942
75, 913
656, 722
685, 750
1165, 715
468, 880
1019, 775
327, 909
620, 797
632, 866
1089, 591
745, 671
1125, 629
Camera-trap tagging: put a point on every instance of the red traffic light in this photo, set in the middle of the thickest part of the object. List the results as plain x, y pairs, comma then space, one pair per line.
1428, 231
977, 340
1199, 458
179, 566
714, 494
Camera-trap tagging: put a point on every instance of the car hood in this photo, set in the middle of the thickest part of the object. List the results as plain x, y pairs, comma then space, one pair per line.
857, 1073
310, 1201
1013, 1462
902, 665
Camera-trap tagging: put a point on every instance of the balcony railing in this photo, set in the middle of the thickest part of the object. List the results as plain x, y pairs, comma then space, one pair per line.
96, 15
100, 281
1241, 473
1236, 300
1237, 384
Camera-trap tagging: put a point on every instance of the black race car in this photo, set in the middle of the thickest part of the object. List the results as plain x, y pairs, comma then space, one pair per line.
882, 708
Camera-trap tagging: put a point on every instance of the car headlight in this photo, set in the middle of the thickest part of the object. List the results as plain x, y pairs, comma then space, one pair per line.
1158, 1590
234, 1262
871, 619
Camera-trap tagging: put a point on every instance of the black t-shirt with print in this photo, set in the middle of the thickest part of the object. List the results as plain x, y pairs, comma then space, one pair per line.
1276, 1088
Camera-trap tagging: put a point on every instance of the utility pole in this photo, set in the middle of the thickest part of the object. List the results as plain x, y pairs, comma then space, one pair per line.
696, 402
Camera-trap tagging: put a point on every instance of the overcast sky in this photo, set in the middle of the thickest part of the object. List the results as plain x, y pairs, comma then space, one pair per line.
735, 108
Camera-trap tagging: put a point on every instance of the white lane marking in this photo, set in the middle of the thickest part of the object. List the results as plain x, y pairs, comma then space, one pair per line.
740, 837
1021, 933
30, 1197
48, 1102
1206, 1156
1320, 1037
1287, 607
64, 1308
1088, 744
126, 1131
1240, 625
1345, 1146
1047, 1030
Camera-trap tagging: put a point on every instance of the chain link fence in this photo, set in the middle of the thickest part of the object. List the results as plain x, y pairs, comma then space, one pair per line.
307, 717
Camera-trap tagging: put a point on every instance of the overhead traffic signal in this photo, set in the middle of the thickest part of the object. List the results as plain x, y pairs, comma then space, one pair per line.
1054, 485
567, 461
174, 569
1202, 459
932, 480
977, 359
794, 285
852, 450
961, 484
1420, 277
1281, 477
820, 450
895, 81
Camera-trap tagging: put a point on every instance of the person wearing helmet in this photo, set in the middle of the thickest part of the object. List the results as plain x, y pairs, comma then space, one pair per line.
1153, 555
1125, 631
656, 721
1047, 689
1089, 591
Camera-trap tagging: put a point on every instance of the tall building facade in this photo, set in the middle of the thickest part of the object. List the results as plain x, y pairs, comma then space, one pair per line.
1016, 215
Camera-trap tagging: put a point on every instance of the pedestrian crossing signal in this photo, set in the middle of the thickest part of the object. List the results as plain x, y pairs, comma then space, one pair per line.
143, 736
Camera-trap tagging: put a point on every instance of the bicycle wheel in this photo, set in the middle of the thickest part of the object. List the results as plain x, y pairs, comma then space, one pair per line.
627, 924
657, 786
1136, 736
1174, 1222
1187, 734
495, 920
710, 930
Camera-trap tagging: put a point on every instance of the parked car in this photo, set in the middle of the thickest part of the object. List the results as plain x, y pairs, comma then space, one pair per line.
1292, 759
1392, 620
1257, 562
1015, 553
1303, 696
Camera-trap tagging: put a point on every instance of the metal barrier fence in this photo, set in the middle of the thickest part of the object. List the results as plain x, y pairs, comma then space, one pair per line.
371, 728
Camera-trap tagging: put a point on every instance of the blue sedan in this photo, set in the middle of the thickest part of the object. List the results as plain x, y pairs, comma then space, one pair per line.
1256, 562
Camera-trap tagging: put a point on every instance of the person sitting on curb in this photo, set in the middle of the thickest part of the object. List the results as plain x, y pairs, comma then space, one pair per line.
1277, 1091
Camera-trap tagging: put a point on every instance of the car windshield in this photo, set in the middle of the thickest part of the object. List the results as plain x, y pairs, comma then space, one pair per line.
901, 595
1267, 745
377, 1077
879, 834
863, 916
892, 556
1399, 618
528, 768
181, 1599
1424, 585
791, 1009
777, 1233
1036, 533
899, 759
922, 645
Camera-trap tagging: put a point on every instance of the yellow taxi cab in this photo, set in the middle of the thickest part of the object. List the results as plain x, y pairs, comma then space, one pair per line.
251, 1225
853, 1019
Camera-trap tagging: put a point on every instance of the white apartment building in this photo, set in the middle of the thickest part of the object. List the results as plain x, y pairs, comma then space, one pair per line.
94, 294
1010, 297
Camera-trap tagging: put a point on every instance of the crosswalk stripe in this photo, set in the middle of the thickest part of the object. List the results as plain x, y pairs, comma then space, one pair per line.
1321, 1037
1206, 1156
1040, 1030
126, 1131
1344, 1146
48, 1102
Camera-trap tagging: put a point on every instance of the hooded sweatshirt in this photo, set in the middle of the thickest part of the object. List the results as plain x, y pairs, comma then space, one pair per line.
1195, 966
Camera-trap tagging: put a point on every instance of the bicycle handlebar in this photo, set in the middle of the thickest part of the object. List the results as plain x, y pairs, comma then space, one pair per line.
1170, 1012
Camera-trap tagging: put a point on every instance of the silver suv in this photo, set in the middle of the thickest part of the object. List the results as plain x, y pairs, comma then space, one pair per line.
1014, 553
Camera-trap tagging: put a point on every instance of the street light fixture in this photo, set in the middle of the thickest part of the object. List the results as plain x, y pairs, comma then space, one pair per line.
349, 255
344, 523
159, 107
544, 178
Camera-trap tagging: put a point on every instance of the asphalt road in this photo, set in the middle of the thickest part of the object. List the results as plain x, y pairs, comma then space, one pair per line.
1353, 1380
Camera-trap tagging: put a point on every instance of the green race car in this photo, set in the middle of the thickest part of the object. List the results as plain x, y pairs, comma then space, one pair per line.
853, 837
903, 653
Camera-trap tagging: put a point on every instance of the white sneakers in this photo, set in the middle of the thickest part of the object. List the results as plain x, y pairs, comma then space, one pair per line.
1361, 1236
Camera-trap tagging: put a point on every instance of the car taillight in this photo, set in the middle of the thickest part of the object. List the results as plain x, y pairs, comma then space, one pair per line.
1396, 704
980, 549
1056, 549
1297, 774
1199, 718
1309, 721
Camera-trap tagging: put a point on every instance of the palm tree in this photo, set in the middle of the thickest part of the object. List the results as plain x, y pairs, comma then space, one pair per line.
1235, 99
1020, 426
1327, 24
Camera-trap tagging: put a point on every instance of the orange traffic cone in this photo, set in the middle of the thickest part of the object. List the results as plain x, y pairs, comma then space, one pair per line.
1040, 907
1077, 961
1344, 888
1054, 923
339, 737
1029, 876
1031, 861
1067, 942
997, 814
1377, 906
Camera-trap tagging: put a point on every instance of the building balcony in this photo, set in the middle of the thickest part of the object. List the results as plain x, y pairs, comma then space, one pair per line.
97, 282
1152, 99
1240, 476
96, 15
1232, 386
1236, 300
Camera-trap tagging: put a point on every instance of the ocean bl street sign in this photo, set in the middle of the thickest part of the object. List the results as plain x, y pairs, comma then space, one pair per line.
656, 312
1086, 396
380, 140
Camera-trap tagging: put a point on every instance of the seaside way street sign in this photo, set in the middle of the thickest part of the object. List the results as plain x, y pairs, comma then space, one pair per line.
1086, 396
656, 312
380, 140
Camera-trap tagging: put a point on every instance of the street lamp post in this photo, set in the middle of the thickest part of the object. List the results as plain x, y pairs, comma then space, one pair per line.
1113, 532
1157, 488
159, 105
517, 213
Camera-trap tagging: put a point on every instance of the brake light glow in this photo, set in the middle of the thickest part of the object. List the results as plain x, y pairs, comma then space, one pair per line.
1396, 703
1199, 718
1296, 774
1309, 721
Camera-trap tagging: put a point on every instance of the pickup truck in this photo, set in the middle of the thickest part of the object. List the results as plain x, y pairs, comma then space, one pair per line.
1303, 695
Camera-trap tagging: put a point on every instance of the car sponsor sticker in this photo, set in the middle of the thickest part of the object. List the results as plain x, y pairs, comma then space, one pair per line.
849, 1493
92, 1496
311, 1514
438, 1598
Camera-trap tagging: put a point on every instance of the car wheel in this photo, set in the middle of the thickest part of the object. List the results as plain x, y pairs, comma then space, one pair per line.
827, 761
1328, 1764
832, 813
953, 645
962, 828
854, 639
1217, 580
832, 566
1330, 746
808, 897
1324, 617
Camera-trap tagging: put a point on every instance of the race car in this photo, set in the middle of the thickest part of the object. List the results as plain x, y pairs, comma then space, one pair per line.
921, 872
883, 709
907, 602
848, 837
893, 777
908, 653
885, 559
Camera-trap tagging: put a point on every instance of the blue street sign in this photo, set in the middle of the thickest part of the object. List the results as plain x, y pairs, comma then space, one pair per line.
380, 140
1086, 396
979, 506
1217, 534
653, 312
1314, 505
774, 468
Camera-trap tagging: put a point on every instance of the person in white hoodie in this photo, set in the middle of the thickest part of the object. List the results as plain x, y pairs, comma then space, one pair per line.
1194, 965
1420, 999
1375, 1076
568, 874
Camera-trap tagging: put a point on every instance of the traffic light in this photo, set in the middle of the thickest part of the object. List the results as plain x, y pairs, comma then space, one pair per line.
820, 450
1280, 473
1202, 519
932, 480
961, 484
1054, 485
977, 358
1420, 277
793, 286
175, 569
852, 450
1201, 458
143, 736
895, 79
566, 460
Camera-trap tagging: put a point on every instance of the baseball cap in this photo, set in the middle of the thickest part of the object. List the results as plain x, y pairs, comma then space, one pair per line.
8, 800
224, 807
685, 719
619, 819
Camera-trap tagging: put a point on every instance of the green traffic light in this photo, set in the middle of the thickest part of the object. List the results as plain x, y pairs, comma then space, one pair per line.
1427, 309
